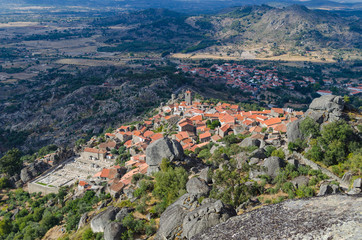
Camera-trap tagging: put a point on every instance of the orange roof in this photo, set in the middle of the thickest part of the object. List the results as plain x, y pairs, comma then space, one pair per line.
225, 127
82, 183
156, 136
205, 135
272, 121
196, 118
128, 143
255, 129
234, 107
117, 186
278, 110
280, 128
109, 134
216, 137
247, 122
148, 133
292, 119
185, 123
94, 150
227, 118
109, 173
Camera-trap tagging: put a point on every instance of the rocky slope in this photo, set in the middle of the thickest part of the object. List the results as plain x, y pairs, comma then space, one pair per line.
331, 217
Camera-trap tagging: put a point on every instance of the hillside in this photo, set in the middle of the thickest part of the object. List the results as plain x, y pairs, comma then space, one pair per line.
257, 31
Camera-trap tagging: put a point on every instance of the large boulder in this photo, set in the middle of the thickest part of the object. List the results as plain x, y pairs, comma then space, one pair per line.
160, 149
123, 213
325, 108
114, 231
258, 153
326, 189
100, 221
273, 166
328, 103
204, 175
300, 180
197, 186
83, 220
171, 222
204, 217
25, 175
293, 131
331, 217
33, 170
250, 142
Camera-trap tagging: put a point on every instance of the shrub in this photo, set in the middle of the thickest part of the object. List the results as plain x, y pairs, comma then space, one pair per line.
304, 191
278, 153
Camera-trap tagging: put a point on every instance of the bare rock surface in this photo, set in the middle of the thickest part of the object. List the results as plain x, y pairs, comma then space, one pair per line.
160, 149
330, 217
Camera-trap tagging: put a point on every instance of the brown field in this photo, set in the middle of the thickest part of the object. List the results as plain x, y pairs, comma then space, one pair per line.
285, 57
89, 62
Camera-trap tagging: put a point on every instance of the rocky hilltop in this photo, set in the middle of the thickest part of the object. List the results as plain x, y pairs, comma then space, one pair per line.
331, 217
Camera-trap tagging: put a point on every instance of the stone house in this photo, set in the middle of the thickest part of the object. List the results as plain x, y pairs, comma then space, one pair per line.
94, 154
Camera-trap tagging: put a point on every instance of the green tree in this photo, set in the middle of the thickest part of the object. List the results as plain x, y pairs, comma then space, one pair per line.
5, 227
170, 182
10, 163
309, 127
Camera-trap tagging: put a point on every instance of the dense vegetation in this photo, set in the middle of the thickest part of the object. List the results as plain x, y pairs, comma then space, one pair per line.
30, 216
336, 145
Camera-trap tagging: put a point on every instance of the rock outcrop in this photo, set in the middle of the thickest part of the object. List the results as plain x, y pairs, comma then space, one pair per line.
114, 231
197, 186
160, 149
273, 165
186, 217
331, 217
250, 142
327, 189
205, 216
326, 108
99, 222
33, 170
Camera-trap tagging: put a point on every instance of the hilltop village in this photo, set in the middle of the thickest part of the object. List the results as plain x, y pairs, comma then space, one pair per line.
194, 124
254, 80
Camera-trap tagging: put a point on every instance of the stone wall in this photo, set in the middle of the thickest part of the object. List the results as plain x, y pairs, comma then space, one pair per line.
34, 187
315, 166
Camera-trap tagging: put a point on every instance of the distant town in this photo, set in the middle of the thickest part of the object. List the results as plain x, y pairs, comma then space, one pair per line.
254, 80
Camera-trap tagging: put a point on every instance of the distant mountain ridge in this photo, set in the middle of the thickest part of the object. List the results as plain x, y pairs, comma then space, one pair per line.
203, 6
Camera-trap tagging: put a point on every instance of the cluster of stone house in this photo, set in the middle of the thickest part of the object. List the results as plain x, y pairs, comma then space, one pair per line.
192, 123
254, 80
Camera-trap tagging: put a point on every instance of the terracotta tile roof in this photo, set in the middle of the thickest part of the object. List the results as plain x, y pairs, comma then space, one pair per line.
256, 129
225, 127
117, 186
247, 122
216, 137
280, 128
183, 124
94, 150
148, 134
272, 121
111, 144
82, 183
156, 136
148, 122
196, 118
278, 110
109, 173
258, 136
128, 143
205, 135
